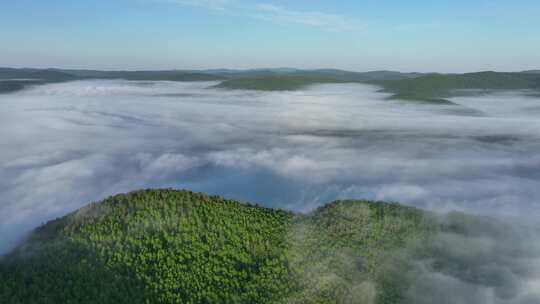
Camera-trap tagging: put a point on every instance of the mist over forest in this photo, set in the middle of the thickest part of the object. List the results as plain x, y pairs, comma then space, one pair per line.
269, 152
66, 144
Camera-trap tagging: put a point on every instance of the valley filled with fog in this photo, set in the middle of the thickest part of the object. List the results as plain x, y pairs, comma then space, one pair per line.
67, 144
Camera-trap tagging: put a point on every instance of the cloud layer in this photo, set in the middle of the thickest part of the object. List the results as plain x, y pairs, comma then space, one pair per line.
64, 145
278, 14
484, 261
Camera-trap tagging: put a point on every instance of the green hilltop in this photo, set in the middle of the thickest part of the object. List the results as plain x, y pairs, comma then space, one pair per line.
7, 86
12, 80
433, 88
268, 80
275, 83
169, 246
437, 86
49, 75
17, 79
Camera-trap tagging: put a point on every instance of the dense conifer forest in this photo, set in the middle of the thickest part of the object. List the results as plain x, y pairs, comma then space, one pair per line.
168, 246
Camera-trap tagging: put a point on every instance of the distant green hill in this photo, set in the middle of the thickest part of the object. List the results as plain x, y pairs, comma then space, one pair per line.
53, 75
420, 87
275, 83
17, 79
298, 79
437, 86
46, 75
358, 76
12, 80
8, 86
166, 246
407, 86
160, 75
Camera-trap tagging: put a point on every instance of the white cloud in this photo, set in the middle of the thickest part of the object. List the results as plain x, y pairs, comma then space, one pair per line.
166, 163
220, 5
317, 19
81, 141
278, 14
64, 145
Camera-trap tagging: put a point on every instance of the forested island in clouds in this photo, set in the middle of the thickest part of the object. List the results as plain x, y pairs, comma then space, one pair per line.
171, 246
292, 140
270, 151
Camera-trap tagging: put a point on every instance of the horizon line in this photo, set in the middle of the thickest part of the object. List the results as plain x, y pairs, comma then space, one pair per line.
260, 69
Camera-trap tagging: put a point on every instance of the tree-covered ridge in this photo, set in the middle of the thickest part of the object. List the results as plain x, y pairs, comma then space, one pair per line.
416, 87
8, 86
340, 250
268, 80
276, 83
435, 87
161, 246
166, 246
405, 86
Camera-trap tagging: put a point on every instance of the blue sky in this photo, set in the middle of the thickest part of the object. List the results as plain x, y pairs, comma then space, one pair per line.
415, 35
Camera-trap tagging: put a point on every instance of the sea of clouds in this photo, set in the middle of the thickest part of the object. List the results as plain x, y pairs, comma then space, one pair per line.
67, 144
64, 145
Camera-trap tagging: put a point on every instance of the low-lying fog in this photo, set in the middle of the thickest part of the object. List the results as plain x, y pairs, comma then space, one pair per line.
64, 145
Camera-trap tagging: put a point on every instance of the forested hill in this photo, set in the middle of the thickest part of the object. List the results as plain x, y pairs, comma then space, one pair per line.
420, 87
435, 87
431, 87
166, 246
12, 80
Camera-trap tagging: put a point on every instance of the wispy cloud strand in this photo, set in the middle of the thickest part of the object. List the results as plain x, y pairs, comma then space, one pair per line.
308, 18
278, 14
220, 5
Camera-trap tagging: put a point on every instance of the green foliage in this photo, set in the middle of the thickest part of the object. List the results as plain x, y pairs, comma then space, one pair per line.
159, 246
46, 75
56, 75
299, 79
433, 88
167, 246
275, 83
159, 75
338, 251
17, 79
7, 86
436, 87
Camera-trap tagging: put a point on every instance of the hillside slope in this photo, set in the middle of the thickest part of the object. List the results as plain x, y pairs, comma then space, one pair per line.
413, 86
405, 86
46, 75
166, 246
276, 83
436, 87
262, 80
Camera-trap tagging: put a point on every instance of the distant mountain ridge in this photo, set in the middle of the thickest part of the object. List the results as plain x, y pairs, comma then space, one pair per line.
432, 87
36, 74
436, 87
187, 75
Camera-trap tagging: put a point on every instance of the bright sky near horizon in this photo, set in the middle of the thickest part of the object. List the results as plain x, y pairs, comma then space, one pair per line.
416, 35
